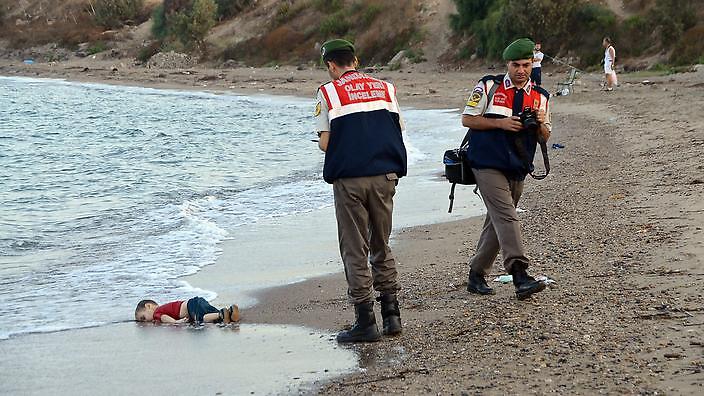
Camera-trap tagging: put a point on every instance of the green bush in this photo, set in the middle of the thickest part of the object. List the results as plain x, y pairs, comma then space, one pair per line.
98, 46
183, 26
465, 53
369, 14
230, 8
327, 6
594, 17
159, 27
490, 42
560, 25
283, 13
147, 52
203, 18
469, 12
288, 10
690, 48
673, 17
416, 55
633, 30
115, 13
335, 24
593, 22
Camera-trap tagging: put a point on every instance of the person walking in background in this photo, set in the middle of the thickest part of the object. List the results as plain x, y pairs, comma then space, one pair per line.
360, 130
609, 64
535, 74
501, 150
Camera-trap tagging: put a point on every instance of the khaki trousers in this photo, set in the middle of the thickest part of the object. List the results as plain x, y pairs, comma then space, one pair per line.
502, 230
363, 208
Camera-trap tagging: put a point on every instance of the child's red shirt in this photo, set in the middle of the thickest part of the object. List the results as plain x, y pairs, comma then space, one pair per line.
172, 309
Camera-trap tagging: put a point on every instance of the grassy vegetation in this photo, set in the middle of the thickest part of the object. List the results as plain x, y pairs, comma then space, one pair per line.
148, 51
182, 25
577, 27
661, 69
336, 24
98, 46
378, 28
690, 48
65, 33
230, 8
113, 14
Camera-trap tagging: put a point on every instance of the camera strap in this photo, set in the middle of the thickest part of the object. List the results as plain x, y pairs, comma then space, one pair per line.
523, 153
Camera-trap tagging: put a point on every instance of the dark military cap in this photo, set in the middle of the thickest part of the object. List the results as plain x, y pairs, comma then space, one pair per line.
335, 45
519, 49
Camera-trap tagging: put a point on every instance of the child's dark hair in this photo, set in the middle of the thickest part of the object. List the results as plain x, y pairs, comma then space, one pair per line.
341, 58
143, 304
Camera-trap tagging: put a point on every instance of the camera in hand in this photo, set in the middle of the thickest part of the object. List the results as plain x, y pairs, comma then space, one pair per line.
529, 119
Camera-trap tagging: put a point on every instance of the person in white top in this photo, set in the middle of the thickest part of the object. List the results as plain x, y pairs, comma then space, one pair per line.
609, 64
535, 74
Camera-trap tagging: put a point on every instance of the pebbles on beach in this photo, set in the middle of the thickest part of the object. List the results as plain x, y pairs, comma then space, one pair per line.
170, 60
617, 224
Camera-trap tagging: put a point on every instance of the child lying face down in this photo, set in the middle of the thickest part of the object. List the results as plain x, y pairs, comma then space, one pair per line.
195, 310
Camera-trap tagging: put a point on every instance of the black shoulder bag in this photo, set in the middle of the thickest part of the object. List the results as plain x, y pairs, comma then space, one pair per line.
457, 169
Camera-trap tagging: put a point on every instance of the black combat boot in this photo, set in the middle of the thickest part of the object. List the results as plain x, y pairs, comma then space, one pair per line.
477, 284
390, 313
525, 284
364, 328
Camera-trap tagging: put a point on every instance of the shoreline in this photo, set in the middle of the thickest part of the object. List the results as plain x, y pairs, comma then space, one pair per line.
617, 225
416, 86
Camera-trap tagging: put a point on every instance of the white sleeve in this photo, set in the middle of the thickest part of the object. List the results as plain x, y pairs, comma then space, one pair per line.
322, 122
477, 102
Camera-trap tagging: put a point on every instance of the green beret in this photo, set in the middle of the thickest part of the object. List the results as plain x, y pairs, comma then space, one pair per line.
519, 49
335, 45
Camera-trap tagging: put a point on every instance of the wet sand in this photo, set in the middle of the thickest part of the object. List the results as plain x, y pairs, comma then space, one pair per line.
133, 359
618, 225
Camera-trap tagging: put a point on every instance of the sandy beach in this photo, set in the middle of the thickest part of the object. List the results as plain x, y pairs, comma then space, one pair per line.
617, 225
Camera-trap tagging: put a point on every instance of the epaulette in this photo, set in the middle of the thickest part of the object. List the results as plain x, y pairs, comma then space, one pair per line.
325, 83
542, 91
496, 78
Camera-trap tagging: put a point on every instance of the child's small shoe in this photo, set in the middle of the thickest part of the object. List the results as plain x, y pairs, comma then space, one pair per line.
225, 315
234, 313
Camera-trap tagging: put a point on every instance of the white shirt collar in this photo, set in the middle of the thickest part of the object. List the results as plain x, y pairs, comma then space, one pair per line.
508, 84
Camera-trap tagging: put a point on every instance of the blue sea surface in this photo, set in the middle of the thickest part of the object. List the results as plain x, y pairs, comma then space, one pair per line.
110, 194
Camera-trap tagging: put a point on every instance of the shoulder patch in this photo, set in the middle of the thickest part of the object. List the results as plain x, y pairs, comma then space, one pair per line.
318, 109
475, 96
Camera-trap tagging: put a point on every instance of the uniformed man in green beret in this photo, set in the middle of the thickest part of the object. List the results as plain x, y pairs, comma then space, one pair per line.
501, 151
360, 129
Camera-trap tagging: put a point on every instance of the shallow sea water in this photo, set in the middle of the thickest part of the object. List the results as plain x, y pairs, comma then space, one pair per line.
111, 194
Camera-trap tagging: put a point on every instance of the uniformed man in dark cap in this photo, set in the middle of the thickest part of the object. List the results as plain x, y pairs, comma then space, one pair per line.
501, 151
359, 125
